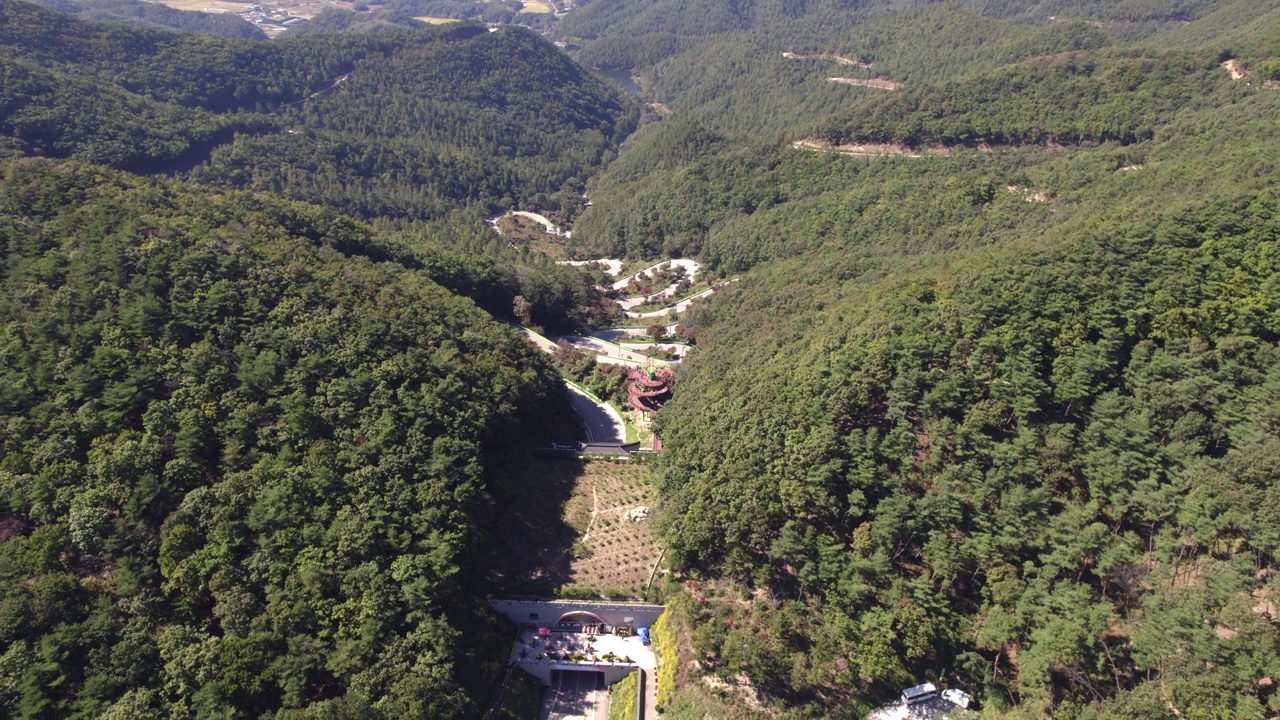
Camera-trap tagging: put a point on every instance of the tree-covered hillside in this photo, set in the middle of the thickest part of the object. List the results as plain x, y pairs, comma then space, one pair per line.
993, 403
1047, 475
407, 123
246, 469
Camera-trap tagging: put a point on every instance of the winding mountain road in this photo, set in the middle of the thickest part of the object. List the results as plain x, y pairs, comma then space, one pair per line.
611, 265
604, 347
602, 423
678, 307
691, 267
550, 227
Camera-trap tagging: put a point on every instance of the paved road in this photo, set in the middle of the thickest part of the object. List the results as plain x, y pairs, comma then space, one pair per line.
544, 344
602, 422
691, 268
682, 305
614, 334
546, 223
678, 307
611, 266
679, 349
607, 348
648, 695
576, 695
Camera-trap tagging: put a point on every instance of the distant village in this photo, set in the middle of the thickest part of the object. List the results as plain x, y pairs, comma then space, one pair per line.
263, 15
272, 17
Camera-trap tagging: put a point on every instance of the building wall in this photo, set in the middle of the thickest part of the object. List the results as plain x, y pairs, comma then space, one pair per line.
547, 612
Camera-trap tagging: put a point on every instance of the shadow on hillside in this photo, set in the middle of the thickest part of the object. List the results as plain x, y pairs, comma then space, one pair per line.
533, 543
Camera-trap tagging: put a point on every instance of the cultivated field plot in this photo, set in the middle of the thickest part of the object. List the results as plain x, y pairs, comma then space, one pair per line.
615, 551
569, 529
298, 8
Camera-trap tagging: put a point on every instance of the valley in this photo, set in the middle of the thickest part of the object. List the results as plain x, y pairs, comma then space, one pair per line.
887, 360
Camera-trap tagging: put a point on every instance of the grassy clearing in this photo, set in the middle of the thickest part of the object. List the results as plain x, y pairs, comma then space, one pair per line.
628, 422
534, 6
435, 20
643, 430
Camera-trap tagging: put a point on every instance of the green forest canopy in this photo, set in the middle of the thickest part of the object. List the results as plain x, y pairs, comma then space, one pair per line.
1002, 415
245, 468
404, 123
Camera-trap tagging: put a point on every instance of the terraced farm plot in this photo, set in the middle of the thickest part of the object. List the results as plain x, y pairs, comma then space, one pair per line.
570, 529
614, 553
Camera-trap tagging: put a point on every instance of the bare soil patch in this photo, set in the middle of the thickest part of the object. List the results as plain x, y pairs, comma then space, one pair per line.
869, 149
661, 108
1030, 195
11, 527
876, 83
829, 56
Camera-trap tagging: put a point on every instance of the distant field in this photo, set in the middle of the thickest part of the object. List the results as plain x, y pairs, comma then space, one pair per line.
534, 6
198, 5
300, 8
435, 20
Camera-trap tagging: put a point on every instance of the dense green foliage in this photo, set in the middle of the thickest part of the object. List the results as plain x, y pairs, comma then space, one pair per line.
1064, 99
245, 468
486, 118
405, 123
993, 403
1057, 466
1002, 414
337, 20
54, 114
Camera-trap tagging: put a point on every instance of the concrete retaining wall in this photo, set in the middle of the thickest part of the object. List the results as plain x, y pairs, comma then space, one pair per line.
547, 612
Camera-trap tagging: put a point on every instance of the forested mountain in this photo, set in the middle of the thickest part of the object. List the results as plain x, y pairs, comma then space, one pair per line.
994, 401
245, 467
406, 123
336, 20
151, 14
